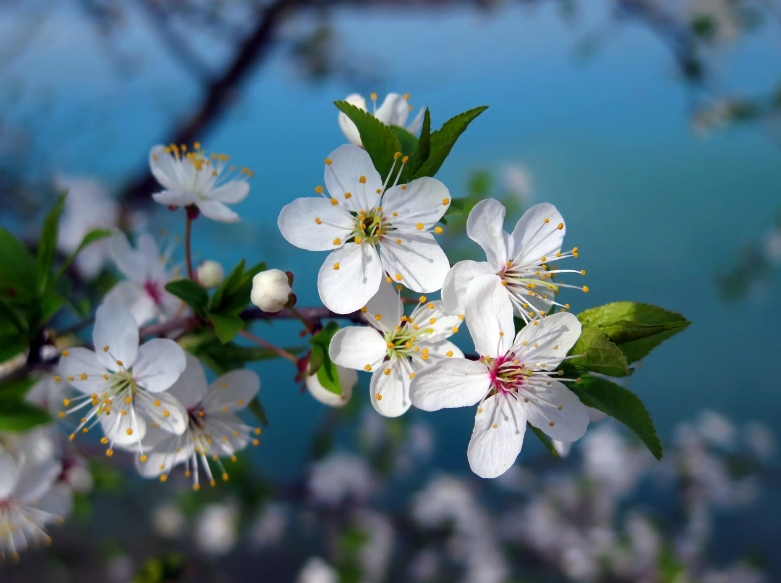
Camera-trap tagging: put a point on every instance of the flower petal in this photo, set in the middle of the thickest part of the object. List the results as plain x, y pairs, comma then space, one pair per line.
9, 474
386, 303
164, 167
418, 259
417, 123
164, 410
497, 437
129, 261
228, 430
423, 201
343, 175
35, 480
217, 211
58, 501
449, 384
348, 127
444, 323
231, 192
175, 197
133, 296
533, 238
547, 340
347, 380
82, 361
392, 388
298, 223
232, 391
555, 410
442, 348
485, 227
116, 426
457, 281
190, 388
164, 451
489, 316
358, 347
394, 110
160, 363
349, 277
115, 328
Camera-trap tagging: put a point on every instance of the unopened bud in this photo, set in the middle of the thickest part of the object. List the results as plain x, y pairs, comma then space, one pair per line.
210, 274
270, 290
348, 378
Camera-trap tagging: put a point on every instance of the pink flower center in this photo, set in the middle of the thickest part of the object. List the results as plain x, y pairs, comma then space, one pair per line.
507, 375
154, 292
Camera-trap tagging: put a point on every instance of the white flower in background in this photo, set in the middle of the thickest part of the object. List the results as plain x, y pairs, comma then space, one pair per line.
271, 290
210, 274
444, 499
370, 227
46, 393
147, 271
197, 178
759, 440
374, 555
213, 429
269, 527
521, 260
340, 477
123, 384
35, 446
348, 378
394, 111
316, 570
217, 529
30, 499
87, 207
716, 429
168, 521
397, 347
518, 182
613, 463
512, 383
772, 247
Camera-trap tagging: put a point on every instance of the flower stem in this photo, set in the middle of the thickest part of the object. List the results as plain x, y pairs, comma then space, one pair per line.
187, 246
307, 324
283, 353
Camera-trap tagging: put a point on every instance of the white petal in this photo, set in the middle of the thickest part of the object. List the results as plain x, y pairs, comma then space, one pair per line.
562, 447
393, 111
58, 501
298, 223
497, 438
160, 363
423, 201
347, 380
232, 391
116, 328
348, 164
231, 192
489, 316
82, 361
226, 425
358, 346
547, 340
457, 281
175, 197
387, 304
164, 410
116, 426
449, 384
133, 296
357, 279
392, 387
349, 129
217, 211
443, 325
190, 388
485, 227
533, 238
555, 410
442, 348
9, 473
167, 451
132, 264
36, 479
418, 259
163, 167
417, 123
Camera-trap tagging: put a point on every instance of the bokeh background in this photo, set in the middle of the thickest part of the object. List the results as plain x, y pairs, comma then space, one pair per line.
652, 126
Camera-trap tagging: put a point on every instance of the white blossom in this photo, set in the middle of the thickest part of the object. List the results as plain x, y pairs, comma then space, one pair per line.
217, 529
348, 378
340, 477
168, 521
271, 290
210, 274
394, 111
316, 570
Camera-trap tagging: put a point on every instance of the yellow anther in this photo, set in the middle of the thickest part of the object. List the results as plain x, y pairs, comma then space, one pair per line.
566, 306
582, 272
438, 230
130, 432
403, 187
387, 372
560, 226
419, 226
455, 329
378, 317
398, 277
336, 266
585, 289
318, 221
358, 240
65, 353
547, 221
196, 487
240, 402
378, 396
398, 241
334, 202
256, 442
362, 180
70, 378
397, 155
445, 201
449, 353
348, 195
105, 348
120, 363
373, 96
165, 413
128, 399
411, 375
104, 440
433, 321
364, 309
504, 282
388, 279
157, 403
367, 368
337, 241
328, 161
62, 414
398, 287
404, 159
430, 306
105, 377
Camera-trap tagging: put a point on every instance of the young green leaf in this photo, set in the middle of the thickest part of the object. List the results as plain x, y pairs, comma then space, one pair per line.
461, 206
379, 141
18, 270
422, 151
543, 438
190, 293
15, 389
89, 238
443, 140
409, 143
601, 355
226, 326
621, 404
48, 243
20, 416
230, 282
326, 370
256, 407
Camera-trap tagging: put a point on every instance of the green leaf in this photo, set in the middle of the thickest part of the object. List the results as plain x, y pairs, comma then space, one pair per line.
89, 238
51, 302
443, 140
15, 389
8, 329
543, 438
18, 270
234, 293
409, 142
256, 407
20, 416
461, 206
233, 280
226, 327
422, 152
621, 404
379, 141
190, 293
48, 243
327, 373
601, 355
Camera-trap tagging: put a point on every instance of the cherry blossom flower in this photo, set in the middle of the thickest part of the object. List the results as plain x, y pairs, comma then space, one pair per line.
197, 178
396, 347
147, 271
213, 429
347, 380
512, 383
370, 228
394, 111
520, 260
123, 385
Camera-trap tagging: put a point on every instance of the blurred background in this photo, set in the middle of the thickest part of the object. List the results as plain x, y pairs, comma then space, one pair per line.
653, 126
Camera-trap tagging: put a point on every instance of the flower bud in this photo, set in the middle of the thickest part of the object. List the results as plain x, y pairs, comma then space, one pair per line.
347, 380
270, 290
210, 274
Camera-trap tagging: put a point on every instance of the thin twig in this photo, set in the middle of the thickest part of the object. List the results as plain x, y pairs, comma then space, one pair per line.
281, 352
187, 245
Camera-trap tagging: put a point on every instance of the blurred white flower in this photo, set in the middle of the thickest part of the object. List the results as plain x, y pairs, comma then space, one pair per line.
78, 476
216, 529
269, 527
87, 207
210, 274
394, 111
716, 429
271, 290
35, 446
195, 178
47, 394
772, 247
316, 570
760, 439
611, 462
340, 477
168, 521
518, 182
374, 555
443, 500
348, 378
